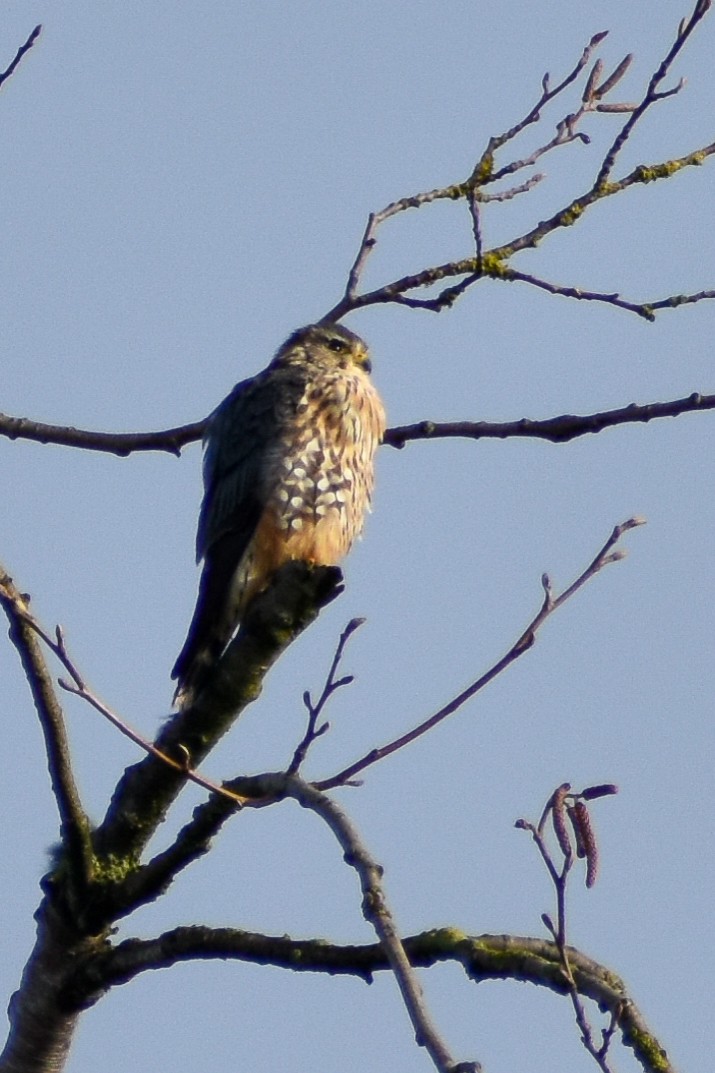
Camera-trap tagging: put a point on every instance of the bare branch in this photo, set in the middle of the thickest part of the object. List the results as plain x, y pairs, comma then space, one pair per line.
554, 429
117, 443
534, 115
74, 823
614, 299
483, 957
79, 688
374, 904
332, 684
653, 94
550, 604
494, 263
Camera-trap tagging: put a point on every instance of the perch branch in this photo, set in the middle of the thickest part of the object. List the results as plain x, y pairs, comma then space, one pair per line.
556, 429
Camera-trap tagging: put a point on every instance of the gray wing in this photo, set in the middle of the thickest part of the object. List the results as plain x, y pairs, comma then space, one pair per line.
240, 442
238, 436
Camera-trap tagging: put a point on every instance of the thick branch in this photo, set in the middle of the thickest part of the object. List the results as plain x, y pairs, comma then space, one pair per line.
41, 1023
484, 957
274, 620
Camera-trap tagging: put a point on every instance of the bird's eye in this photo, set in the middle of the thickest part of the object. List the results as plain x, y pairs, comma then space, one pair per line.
338, 345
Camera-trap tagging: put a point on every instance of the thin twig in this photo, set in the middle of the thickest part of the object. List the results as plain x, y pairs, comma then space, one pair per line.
612, 298
20, 53
652, 94
332, 684
79, 688
550, 603
563, 799
560, 429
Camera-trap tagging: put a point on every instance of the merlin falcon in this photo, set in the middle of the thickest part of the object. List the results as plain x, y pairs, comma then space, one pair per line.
288, 475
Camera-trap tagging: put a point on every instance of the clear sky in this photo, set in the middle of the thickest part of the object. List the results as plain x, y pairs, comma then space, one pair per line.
184, 184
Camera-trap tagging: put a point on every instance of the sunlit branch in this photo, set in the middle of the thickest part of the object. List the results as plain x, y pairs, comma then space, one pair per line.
170, 440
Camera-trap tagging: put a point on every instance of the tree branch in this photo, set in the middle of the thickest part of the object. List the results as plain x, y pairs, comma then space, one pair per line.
556, 429
483, 957
315, 710
74, 823
275, 618
494, 263
20, 53
170, 440
606, 555
377, 913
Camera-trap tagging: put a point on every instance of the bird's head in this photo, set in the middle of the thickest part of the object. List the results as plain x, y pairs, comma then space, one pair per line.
328, 344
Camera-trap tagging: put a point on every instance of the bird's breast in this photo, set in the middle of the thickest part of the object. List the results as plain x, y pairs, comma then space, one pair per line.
321, 470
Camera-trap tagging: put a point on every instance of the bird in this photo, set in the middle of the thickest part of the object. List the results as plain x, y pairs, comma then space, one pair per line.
288, 475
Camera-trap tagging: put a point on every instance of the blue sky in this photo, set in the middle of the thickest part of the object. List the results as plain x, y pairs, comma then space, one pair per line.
184, 185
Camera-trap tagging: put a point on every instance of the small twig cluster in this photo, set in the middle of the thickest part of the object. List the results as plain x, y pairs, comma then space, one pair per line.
474, 190
574, 833
332, 684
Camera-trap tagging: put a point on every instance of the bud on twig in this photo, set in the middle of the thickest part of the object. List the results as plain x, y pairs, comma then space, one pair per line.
616, 77
581, 822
